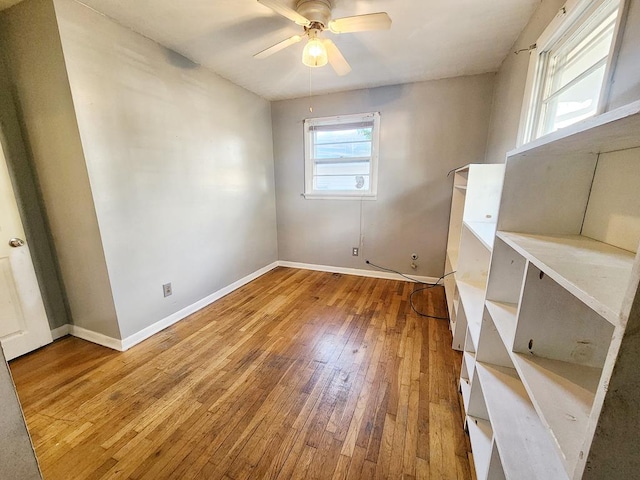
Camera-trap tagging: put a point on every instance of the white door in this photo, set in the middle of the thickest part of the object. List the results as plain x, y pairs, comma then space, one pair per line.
23, 320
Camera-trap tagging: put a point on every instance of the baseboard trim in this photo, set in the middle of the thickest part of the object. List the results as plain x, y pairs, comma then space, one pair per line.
354, 271
60, 332
95, 337
151, 330
138, 337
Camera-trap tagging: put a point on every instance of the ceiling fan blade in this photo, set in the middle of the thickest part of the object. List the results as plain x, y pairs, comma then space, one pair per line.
285, 11
277, 47
337, 61
361, 23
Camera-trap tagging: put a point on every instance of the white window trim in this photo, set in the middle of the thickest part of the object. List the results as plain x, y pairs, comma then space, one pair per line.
372, 194
565, 21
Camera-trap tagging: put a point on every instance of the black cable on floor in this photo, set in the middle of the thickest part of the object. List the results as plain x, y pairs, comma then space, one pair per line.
429, 286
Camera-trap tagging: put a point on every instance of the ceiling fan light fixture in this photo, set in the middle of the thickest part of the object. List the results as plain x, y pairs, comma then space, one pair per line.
314, 53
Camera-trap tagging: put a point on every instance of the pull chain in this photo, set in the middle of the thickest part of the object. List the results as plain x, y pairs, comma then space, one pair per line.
310, 106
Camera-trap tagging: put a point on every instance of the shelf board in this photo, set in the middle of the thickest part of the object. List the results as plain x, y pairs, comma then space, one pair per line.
526, 448
504, 316
450, 293
596, 273
469, 359
614, 130
563, 394
484, 231
453, 258
461, 187
472, 297
465, 388
481, 437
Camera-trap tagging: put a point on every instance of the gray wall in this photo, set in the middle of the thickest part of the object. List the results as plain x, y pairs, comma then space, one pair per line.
512, 76
36, 69
180, 163
17, 458
427, 129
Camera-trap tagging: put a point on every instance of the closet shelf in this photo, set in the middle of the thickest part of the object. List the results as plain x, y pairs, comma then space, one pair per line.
596, 273
484, 231
525, 445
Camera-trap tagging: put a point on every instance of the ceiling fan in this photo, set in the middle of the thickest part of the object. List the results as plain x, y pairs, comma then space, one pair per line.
315, 17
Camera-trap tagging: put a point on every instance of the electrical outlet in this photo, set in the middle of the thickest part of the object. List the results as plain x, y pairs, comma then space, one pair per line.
355, 251
166, 288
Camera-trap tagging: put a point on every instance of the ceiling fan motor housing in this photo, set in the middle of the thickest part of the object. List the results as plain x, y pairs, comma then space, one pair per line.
317, 11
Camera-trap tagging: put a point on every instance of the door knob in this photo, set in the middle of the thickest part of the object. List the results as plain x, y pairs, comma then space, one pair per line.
16, 242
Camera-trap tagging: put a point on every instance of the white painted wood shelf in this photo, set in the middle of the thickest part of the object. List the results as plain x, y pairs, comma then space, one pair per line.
472, 227
453, 258
595, 272
563, 394
481, 435
504, 316
525, 447
472, 297
551, 350
484, 231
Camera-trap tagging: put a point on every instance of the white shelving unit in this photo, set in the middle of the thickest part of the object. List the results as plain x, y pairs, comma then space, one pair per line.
472, 227
552, 370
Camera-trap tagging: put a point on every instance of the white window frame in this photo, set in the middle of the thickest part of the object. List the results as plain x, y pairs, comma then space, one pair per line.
370, 194
568, 20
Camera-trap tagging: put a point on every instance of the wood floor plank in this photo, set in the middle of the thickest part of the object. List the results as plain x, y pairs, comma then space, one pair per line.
298, 374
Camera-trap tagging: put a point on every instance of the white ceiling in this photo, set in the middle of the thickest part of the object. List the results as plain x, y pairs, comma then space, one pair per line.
429, 39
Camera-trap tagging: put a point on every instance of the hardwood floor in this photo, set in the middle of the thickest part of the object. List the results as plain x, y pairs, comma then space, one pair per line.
297, 375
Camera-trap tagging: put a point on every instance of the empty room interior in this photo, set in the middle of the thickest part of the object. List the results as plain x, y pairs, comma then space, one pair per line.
286, 239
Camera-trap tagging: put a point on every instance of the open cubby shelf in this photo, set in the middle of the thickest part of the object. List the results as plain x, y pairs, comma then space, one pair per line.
484, 231
547, 281
563, 395
472, 226
472, 298
593, 271
504, 316
481, 436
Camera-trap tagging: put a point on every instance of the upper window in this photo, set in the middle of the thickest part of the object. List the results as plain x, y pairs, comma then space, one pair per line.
341, 156
570, 66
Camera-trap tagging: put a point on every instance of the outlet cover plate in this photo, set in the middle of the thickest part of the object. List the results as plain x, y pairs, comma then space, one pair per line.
166, 288
355, 251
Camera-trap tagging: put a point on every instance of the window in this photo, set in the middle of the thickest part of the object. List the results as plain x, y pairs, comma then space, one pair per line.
341, 156
569, 69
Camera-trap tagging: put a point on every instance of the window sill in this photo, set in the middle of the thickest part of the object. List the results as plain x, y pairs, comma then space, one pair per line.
318, 196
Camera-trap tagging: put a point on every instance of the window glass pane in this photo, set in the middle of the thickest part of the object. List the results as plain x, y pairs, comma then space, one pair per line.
576, 103
354, 168
347, 183
340, 136
572, 70
578, 58
342, 150
341, 155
